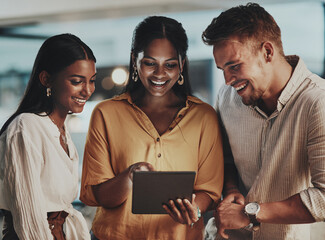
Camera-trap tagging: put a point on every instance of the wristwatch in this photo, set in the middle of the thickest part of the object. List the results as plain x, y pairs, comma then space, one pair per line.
251, 210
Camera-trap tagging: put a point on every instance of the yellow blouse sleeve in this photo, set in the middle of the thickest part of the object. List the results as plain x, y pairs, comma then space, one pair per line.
211, 162
96, 162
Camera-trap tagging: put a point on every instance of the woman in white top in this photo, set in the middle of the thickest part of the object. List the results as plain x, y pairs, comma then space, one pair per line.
38, 160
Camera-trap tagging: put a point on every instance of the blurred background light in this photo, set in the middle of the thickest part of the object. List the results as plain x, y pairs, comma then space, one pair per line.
107, 83
120, 76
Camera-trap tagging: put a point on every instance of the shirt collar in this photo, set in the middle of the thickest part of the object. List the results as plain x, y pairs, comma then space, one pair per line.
126, 96
300, 73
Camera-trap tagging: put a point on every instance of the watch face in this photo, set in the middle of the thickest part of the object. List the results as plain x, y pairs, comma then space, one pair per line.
252, 208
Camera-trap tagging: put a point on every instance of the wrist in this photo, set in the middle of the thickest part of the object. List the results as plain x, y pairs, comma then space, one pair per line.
199, 215
229, 190
251, 210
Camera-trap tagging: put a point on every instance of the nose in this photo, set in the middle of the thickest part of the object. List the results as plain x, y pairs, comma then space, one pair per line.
88, 89
229, 78
159, 71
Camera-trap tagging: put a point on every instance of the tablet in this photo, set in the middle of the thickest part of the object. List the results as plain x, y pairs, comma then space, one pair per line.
152, 189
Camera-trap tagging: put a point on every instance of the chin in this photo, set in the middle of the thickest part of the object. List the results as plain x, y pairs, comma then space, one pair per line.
250, 101
247, 100
76, 110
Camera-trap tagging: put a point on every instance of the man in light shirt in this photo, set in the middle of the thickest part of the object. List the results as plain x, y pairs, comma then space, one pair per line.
272, 109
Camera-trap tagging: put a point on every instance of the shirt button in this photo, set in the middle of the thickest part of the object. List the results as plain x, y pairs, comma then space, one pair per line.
159, 155
158, 139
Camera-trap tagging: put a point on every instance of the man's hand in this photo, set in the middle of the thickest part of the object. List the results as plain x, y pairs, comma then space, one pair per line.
235, 197
230, 214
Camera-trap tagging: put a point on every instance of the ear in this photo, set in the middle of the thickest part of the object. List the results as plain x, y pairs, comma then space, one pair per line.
44, 78
183, 62
133, 59
268, 51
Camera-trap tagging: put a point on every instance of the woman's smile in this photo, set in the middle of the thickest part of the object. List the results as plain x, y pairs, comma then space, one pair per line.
159, 68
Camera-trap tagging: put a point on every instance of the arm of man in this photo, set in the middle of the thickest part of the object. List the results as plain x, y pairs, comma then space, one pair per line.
232, 198
231, 191
304, 207
289, 211
229, 212
230, 215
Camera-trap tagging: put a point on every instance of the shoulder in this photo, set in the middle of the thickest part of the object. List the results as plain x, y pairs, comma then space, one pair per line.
112, 108
201, 109
227, 94
198, 104
318, 83
228, 100
114, 102
314, 92
27, 123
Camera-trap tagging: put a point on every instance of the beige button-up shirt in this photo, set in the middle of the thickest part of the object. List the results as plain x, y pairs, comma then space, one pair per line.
37, 176
283, 154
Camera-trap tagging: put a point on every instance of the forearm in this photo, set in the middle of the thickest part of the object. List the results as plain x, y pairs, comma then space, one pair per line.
113, 192
203, 201
230, 179
289, 211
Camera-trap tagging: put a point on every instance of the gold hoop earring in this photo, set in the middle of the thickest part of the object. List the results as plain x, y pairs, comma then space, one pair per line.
48, 92
180, 80
135, 75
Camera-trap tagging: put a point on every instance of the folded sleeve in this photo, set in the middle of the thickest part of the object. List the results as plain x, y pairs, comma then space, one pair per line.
211, 162
96, 162
22, 188
314, 197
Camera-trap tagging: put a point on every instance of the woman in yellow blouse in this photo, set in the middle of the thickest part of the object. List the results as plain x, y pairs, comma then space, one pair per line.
155, 125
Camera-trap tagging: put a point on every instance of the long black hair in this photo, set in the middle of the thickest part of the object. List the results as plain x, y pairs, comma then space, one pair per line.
55, 54
159, 27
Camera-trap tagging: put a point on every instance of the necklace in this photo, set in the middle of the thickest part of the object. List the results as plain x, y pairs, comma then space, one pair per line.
62, 132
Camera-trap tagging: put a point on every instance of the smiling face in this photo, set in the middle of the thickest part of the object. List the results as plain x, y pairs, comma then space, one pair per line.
159, 67
244, 68
73, 86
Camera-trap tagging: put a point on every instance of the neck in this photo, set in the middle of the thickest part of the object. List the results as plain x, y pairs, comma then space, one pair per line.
156, 102
58, 118
281, 76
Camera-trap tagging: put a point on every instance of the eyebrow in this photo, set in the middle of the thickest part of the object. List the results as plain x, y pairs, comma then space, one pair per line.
170, 59
80, 76
229, 63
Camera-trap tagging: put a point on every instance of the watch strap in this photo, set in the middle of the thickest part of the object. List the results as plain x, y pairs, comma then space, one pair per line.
256, 224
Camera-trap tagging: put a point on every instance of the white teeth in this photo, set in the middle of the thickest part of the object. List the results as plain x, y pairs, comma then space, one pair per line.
158, 83
80, 100
241, 87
